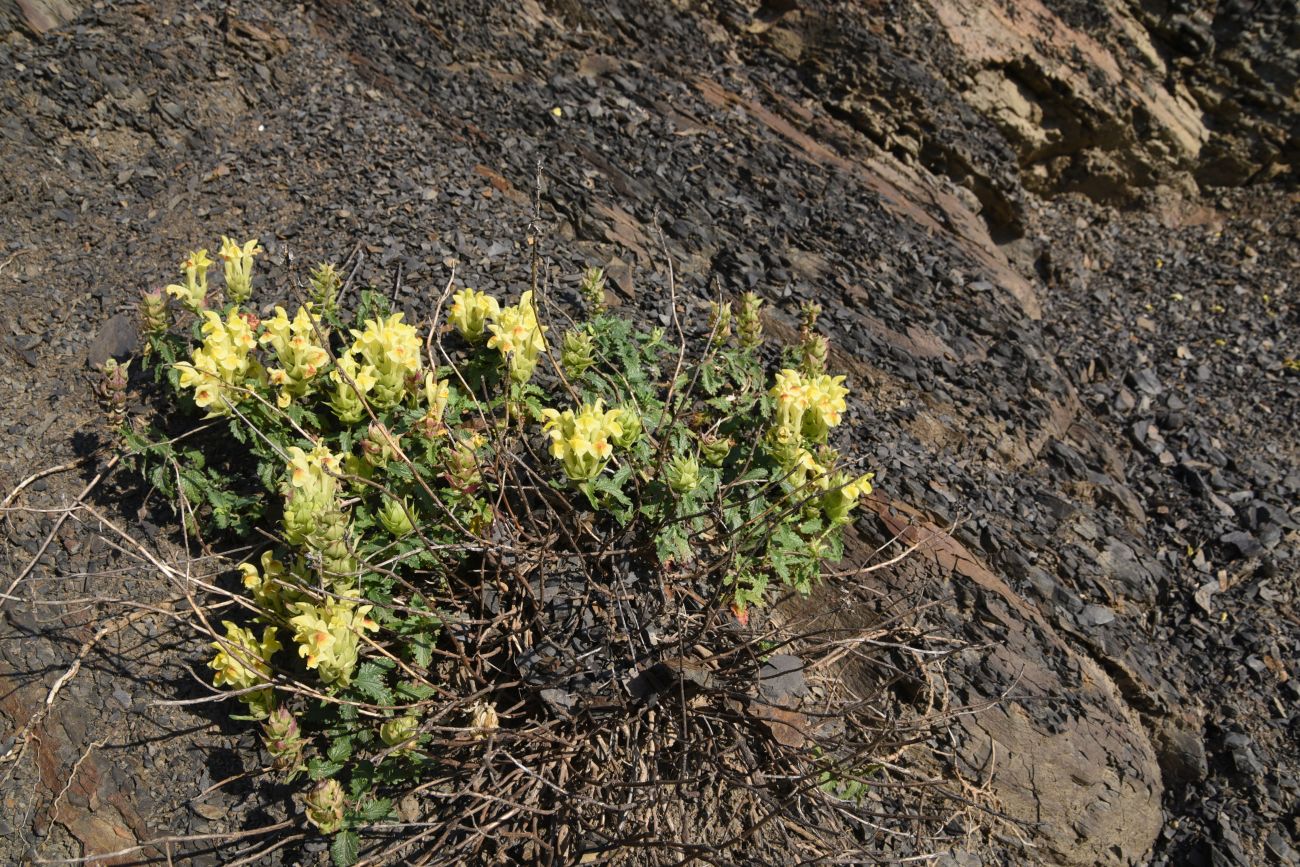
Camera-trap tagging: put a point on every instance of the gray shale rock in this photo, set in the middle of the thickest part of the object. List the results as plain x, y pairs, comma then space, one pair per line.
1060, 748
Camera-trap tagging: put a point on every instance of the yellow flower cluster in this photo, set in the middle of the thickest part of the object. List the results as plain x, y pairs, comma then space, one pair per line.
583, 441
194, 294
841, 494
515, 331
809, 406
310, 493
384, 362
222, 363
471, 310
243, 662
517, 335
238, 265
327, 636
300, 355
392, 348
310, 474
269, 586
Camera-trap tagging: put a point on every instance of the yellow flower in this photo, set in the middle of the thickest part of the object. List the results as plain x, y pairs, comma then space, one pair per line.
222, 365
327, 636
436, 394
238, 266
470, 312
392, 349
243, 661
297, 349
791, 396
346, 401
194, 294
269, 585
842, 495
518, 336
583, 441
804, 469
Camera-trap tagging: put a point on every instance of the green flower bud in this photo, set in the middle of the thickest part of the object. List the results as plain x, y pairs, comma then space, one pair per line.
629, 422
813, 352
155, 316
324, 805
749, 325
715, 449
720, 320
810, 312
593, 290
325, 286
784, 445
393, 515
577, 353
283, 740
400, 731
683, 474
380, 446
461, 463
112, 386
330, 543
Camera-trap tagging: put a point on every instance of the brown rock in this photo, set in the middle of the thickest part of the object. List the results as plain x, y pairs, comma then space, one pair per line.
38, 16
1049, 732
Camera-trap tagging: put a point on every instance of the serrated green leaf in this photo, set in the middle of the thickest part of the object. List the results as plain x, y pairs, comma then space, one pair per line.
413, 691
362, 780
345, 849
374, 810
811, 527
420, 646
320, 768
340, 751
369, 681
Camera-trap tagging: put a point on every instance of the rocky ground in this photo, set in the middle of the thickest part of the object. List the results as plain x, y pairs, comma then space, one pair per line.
1056, 242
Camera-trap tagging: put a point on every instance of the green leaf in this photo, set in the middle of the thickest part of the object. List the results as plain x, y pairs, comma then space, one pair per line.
811, 527
340, 751
319, 768
345, 849
374, 810
420, 646
413, 691
362, 781
369, 681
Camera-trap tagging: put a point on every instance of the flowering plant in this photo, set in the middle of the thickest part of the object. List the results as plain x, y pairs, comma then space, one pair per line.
385, 491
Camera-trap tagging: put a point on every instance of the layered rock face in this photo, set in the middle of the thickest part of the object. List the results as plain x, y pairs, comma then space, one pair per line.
1086, 412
